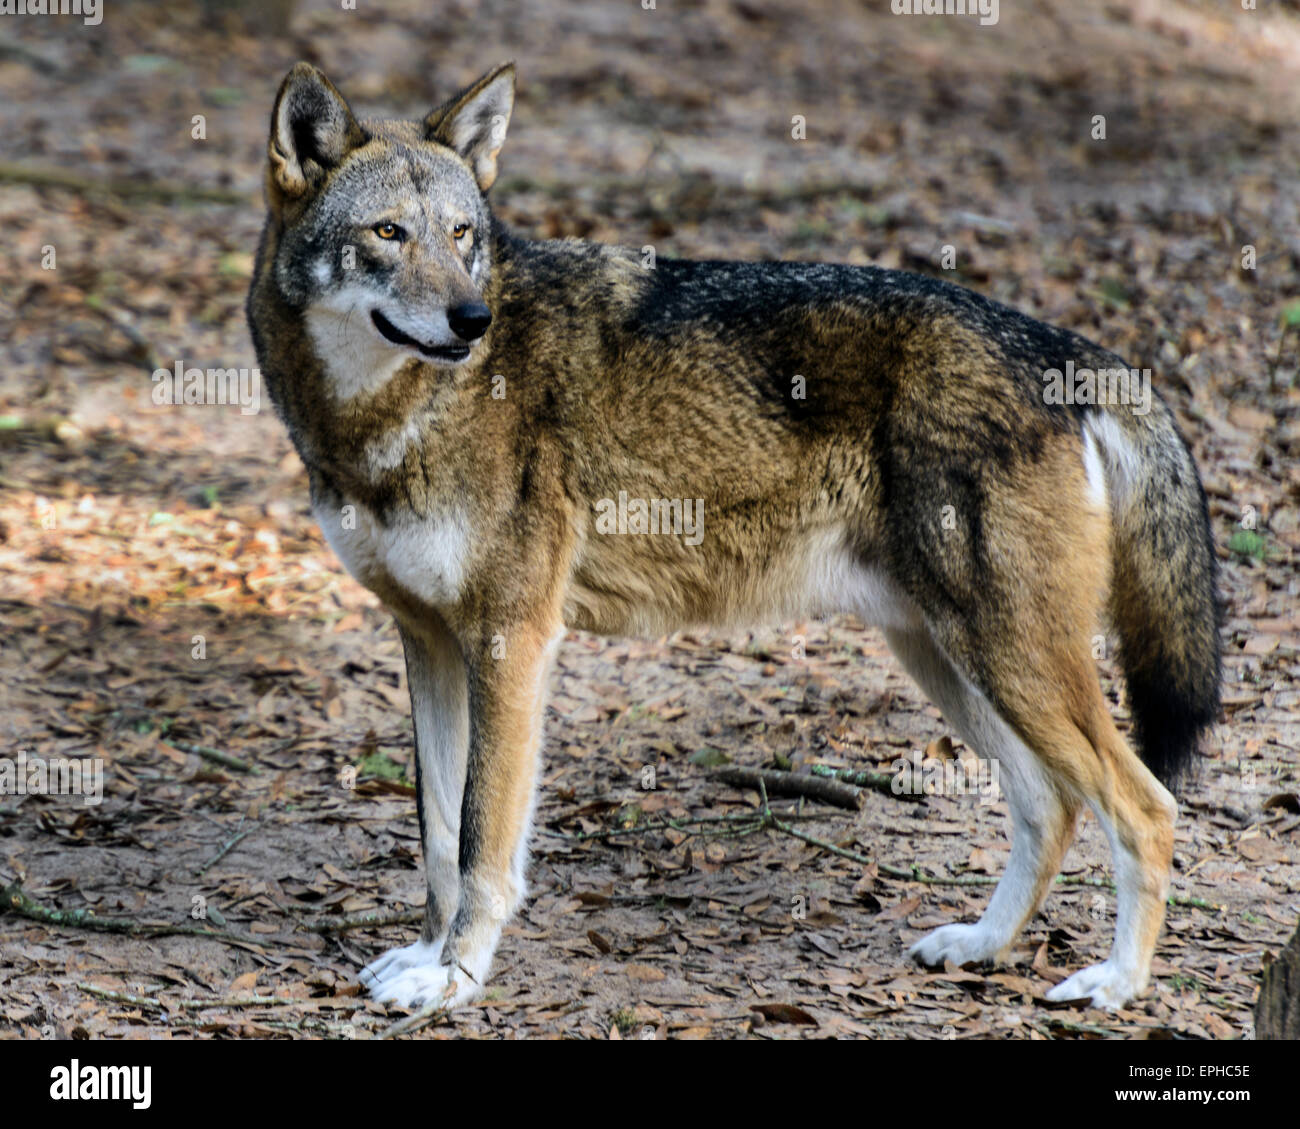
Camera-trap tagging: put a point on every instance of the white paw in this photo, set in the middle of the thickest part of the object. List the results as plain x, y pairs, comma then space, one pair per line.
1104, 984
960, 944
414, 976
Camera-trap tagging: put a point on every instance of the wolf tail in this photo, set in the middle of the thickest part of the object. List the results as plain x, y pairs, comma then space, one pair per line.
1163, 602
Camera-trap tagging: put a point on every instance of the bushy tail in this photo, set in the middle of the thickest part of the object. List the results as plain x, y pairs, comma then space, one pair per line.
1163, 602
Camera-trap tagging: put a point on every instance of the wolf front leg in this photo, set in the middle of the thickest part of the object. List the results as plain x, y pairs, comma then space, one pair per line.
508, 674
436, 677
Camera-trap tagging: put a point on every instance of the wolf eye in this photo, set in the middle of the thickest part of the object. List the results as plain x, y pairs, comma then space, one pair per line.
388, 231
460, 231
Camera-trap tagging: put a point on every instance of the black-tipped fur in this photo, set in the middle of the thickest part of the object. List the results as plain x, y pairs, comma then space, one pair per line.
1164, 605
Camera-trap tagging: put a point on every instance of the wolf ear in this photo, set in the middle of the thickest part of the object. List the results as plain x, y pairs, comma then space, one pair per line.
312, 129
474, 122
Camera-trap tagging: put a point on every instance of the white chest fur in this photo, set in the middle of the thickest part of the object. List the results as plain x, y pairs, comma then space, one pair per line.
424, 557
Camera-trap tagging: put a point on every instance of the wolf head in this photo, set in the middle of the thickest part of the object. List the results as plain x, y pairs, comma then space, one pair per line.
383, 230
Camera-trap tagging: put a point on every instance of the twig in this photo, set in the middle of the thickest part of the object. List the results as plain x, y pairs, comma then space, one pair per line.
306, 1023
879, 781
238, 1001
190, 1004
790, 784
914, 875
14, 900
122, 997
429, 1012
769, 819
226, 848
1081, 1028
210, 754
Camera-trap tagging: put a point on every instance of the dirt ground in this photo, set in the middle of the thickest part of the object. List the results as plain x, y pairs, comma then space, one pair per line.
166, 599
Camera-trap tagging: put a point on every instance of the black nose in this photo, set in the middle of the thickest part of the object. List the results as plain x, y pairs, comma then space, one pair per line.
470, 321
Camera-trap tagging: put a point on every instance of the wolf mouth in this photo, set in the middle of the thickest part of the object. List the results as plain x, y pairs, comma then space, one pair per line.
397, 337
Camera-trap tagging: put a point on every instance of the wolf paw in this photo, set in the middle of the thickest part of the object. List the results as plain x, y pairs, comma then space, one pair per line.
414, 976
961, 944
1106, 985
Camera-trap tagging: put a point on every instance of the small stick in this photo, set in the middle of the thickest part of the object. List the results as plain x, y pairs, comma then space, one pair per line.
426, 1014
1080, 1028
229, 845
878, 781
790, 784
210, 754
13, 899
190, 1004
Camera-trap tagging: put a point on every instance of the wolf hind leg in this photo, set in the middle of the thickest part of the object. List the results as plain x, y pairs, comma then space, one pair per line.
1007, 657
1043, 813
1137, 813
1058, 748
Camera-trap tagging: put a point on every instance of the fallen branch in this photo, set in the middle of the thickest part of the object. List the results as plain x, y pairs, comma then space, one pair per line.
216, 756
790, 784
878, 781
812, 840
305, 1025
13, 900
189, 1005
